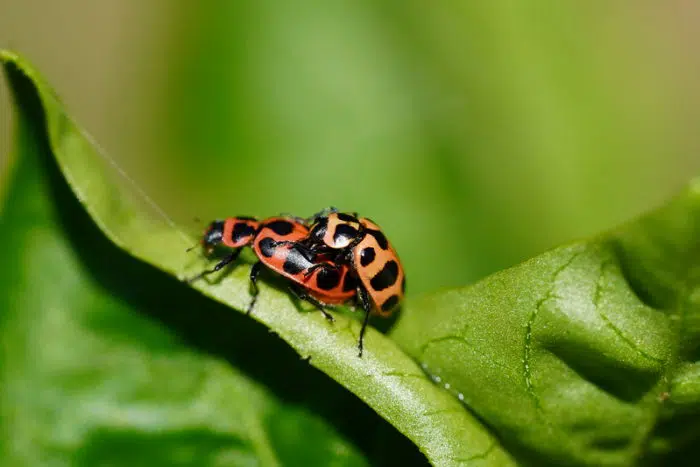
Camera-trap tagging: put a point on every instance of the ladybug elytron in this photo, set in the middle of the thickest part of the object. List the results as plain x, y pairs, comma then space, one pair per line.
273, 240
359, 243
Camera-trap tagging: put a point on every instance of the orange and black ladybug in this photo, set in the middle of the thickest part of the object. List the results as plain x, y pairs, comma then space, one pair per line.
359, 243
274, 242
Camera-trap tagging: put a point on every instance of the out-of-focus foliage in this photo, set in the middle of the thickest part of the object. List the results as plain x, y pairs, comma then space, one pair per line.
510, 126
516, 126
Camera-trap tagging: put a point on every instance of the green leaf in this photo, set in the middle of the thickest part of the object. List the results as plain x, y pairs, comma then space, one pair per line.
588, 354
98, 366
90, 362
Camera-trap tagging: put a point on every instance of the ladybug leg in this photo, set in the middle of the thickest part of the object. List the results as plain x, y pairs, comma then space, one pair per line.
227, 260
254, 272
367, 307
313, 269
301, 295
344, 257
285, 243
308, 253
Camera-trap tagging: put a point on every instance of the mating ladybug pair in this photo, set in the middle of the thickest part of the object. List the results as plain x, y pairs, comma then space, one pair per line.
329, 259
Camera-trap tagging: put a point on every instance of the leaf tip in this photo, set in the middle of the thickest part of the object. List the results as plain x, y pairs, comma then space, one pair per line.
8, 56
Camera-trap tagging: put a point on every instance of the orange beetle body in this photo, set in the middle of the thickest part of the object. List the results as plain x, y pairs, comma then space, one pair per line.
330, 284
273, 240
360, 244
379, 269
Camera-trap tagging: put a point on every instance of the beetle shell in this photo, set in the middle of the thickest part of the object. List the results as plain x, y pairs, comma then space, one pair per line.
330, 284
366, 249
379, 269
239, 231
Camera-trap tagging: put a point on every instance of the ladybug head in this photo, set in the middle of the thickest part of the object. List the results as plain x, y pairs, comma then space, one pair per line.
213, 236
335, 230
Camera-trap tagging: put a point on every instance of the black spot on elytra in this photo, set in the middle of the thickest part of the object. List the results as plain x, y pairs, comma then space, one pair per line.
327, 278
380, 238
346, 217
240, 231
367, 255
344, 233
390, 303
319, 230
267, 247
295, 262
386, 277
349, 283
280, 227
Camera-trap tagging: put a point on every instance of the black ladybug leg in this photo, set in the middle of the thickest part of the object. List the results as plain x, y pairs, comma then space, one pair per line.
307, 252
254, 271
367, 307
227, 260
313, 269
301, 295
286, 243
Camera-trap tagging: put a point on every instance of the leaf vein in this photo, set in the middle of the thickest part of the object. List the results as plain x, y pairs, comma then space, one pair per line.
476, 457
618, 332
527, 347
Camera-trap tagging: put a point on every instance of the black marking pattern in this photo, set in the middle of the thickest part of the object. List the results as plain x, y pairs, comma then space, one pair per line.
346, 217
403, 285
386, 277
344, 233
390, 303
280, 227
267, 247
380, 238
349, 283
367, 256
328, 278
319, 229
295, 262
240, 231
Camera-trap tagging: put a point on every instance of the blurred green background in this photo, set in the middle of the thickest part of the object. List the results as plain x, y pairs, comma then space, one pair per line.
477, 134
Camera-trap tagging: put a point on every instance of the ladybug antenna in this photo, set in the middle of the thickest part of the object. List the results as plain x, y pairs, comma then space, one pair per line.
191, 248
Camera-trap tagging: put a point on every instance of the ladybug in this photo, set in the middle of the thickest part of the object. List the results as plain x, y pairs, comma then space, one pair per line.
274, 242
359, 243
